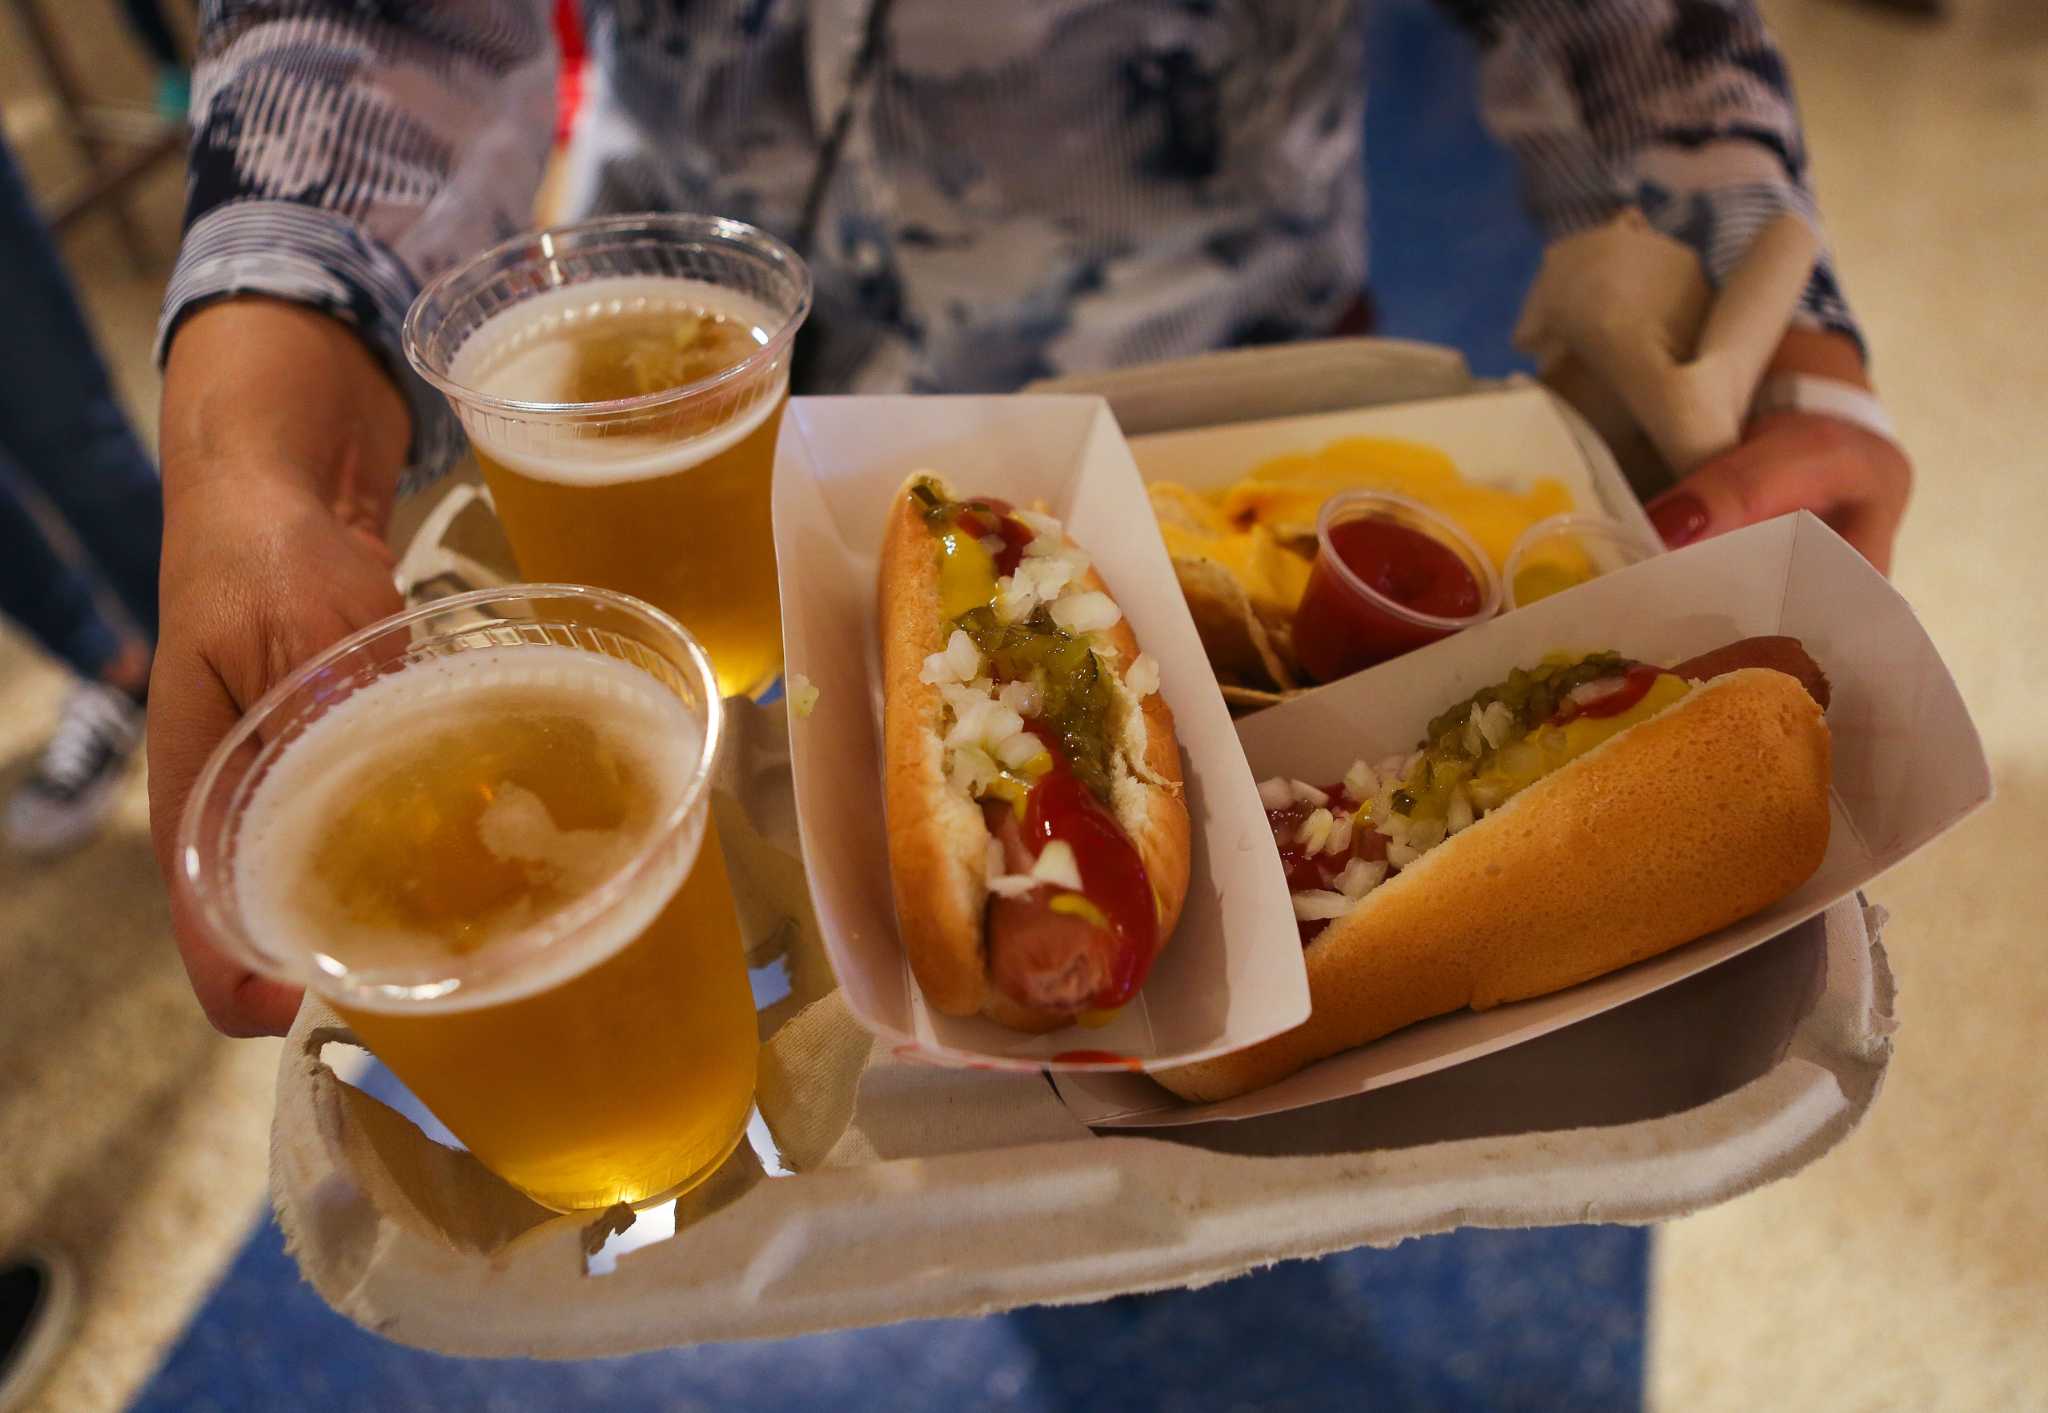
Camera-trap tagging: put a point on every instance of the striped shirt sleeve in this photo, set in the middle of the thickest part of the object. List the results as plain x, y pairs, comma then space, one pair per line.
1682, 108
343, 153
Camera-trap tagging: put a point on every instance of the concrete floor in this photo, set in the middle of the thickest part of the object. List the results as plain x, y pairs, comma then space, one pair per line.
1908, 1269
133, 1136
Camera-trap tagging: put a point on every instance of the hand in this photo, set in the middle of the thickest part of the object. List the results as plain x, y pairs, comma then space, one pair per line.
282, 441
1852, 478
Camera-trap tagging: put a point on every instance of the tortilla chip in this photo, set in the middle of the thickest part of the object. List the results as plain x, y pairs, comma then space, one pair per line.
1238, 642
1190, 510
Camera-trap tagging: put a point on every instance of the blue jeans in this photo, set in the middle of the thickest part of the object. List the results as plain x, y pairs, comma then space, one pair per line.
63, 437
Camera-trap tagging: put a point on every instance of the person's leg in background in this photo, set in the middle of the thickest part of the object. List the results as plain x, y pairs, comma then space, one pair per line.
63, 433
173, 80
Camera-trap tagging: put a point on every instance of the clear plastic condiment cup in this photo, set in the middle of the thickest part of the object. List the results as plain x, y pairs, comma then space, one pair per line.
1567, 550
1346, 622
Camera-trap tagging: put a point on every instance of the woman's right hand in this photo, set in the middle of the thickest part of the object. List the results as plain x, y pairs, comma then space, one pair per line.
283, 438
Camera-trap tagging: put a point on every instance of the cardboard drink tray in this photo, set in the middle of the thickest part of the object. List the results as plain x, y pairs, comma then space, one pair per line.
878, 1190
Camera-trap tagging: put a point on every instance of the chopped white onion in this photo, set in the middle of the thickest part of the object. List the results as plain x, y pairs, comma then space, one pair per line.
1339, 841
1426, 834
1307, 794
1400, 855
993, 860
971, 769
803, 695
958, 661
1277, 793
1011, 885
1360, 783
1586, 693
1045, 576
984, 723
1022, 697
1320, 905
971, 722
1473, 738
1056, 865
1496, 724
1014, 604
1046, 535
1016, 749
1142, 676
1315, 830
1389, 768
1360, 877
1458, 814
1088, 612
994, 544
961, 696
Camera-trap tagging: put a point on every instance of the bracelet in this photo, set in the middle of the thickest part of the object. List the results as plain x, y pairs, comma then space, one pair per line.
1830, 397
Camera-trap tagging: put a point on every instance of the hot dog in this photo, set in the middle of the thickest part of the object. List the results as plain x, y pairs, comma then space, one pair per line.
1580, 816
1038, 839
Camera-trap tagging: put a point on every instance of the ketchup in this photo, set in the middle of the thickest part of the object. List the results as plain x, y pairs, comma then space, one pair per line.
1098, 1057
986, 515
1634, 686
1113, 877
1305, 870
1338, 629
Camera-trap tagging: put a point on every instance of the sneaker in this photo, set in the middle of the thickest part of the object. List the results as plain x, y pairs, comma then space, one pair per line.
73, 787
37, 1300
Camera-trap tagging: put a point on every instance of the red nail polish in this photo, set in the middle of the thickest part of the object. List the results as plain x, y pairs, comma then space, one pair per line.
1680, 519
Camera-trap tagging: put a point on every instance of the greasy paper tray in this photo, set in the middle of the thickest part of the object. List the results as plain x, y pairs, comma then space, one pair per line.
1908, 766
1232, 975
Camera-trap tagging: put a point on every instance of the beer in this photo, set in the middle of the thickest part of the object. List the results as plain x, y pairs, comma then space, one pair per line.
497, 827
669, 504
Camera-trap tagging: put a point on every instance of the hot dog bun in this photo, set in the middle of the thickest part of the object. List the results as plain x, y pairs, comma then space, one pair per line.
938, 842
1699, 816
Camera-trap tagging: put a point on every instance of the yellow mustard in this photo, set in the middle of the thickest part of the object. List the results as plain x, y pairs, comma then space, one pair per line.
967, 574
1516, 767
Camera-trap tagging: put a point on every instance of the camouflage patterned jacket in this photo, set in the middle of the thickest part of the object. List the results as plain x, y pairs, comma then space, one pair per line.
987, 192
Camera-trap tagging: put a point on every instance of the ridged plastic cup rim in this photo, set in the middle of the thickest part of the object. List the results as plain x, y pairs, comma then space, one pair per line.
722, 228
213, 895
1437, 524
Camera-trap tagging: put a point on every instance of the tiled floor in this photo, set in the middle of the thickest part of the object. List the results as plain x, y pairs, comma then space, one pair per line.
1906, 1270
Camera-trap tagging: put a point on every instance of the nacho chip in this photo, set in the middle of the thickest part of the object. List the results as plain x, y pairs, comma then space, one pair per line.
1239, 645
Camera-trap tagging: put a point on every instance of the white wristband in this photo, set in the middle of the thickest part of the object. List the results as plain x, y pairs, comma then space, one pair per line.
1830, 397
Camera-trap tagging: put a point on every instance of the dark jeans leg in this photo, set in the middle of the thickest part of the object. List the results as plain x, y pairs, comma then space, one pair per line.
47, 594
58, 417
146, 18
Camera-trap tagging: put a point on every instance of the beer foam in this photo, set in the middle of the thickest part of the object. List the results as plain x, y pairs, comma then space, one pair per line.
310, 782
520, 354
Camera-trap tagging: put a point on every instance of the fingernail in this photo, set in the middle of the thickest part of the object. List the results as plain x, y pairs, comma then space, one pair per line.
1680, 519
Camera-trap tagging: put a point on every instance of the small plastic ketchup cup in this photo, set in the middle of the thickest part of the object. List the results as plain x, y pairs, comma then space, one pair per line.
1390, 575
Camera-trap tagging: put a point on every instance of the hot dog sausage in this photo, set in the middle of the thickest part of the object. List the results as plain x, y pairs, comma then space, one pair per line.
1056, 961
1779, 654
